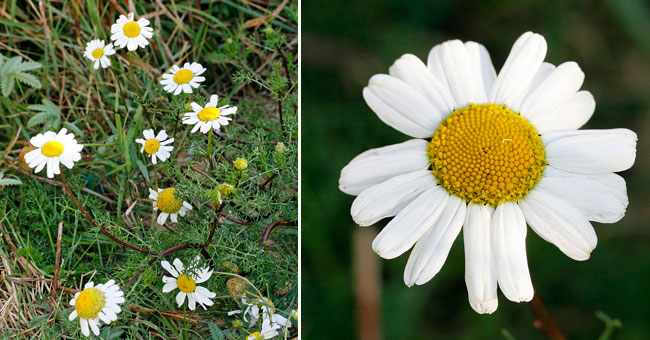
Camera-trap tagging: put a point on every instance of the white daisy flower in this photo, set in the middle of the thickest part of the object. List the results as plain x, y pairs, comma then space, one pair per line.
183, 79
264, 308
156, 146
97, 51
132, 34
52, 149
269, 331
491, 153
209, 116
186, 282
96, 303
169, 205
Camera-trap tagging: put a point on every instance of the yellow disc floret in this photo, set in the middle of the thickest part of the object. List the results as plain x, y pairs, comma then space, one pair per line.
131, 29
183, 76
486, 154
98, 53
255, 336
240, 164
90, 302
167, 201
209, 114
52, 148
185, 283
151, 146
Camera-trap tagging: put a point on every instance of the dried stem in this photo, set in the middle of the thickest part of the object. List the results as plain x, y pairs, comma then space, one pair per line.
55, 280
270, 228
544, 320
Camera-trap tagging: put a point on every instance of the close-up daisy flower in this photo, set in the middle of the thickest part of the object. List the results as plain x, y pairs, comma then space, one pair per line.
51, 149
96, 303
263, 308
169, 204
491, 153
186, 282
97, 51
130, 33
269, 331
156, 146
209, 116
183, 79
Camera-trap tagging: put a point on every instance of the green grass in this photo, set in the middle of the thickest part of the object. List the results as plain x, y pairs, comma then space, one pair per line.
250, 53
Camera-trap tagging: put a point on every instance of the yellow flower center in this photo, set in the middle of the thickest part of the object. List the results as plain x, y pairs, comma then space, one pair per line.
183, 76
98, 53
151, 146
241, 164
90, 302
131, 29
226, 189
52, 148
167, 201
185, 283
255, 336
209, 114
486, 154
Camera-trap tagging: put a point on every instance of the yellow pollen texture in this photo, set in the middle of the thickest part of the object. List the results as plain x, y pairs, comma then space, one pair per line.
167, 202
52, 148
151, 146
486, 154
90, 302
183, 76
98, 53
255, 336
131, 29
209, 114
185, 283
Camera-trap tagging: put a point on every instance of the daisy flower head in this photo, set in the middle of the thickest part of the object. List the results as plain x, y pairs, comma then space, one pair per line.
97, 51
240, 164
169, 203
178, 79
261, 307
130, 33
156, 145
269, 331
186, 282
96, 304
209, 116
51, 149
490, 154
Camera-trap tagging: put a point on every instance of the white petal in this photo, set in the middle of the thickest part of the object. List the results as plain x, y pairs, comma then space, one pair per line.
169, 286
168, 267
180, 298
191, 301
553, 92
480, 274
432, 249
591, 151
412, 71
599, 197
389, 197
461, 72
73, 315
162, 218
148, 134
398, 105
558, 222
93, 327
377, 165
411, 223
179, 265
515, 77
570, 116
508, 233
84, 327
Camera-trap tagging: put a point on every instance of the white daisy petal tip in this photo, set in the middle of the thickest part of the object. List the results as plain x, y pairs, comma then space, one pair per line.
53, 149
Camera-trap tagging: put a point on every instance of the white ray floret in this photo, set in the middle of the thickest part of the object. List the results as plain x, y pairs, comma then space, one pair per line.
156, 146
186, 282
183, 79
131, 33
98, 52
96, 304
209, 116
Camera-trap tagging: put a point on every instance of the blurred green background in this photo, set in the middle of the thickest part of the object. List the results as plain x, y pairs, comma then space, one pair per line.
345, 42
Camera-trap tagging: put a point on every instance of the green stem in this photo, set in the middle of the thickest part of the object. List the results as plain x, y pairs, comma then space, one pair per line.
133, 76
210, 150
155, 175
184, 332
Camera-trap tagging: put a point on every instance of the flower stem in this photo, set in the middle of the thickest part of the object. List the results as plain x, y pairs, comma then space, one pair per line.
210, 149
155, 175
544, 320
133, 76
